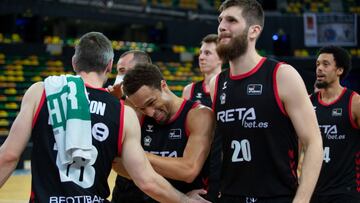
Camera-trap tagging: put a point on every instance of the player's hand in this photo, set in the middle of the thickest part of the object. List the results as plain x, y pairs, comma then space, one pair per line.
115, 90
195, 196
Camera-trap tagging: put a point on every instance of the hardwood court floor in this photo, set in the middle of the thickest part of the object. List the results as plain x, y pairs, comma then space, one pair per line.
17, 188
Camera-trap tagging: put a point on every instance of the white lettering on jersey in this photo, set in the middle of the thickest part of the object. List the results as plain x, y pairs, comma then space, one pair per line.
76, 199
246, 116
331, 132
97, 107
165, 153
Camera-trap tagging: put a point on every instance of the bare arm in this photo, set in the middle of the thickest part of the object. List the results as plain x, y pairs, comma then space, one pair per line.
119, 168
20, 132
186, 94
200, 123
138, 166
298, 106
355, 109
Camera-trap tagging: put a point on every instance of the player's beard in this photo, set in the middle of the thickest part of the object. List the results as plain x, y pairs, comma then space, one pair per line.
235, 48
321, 84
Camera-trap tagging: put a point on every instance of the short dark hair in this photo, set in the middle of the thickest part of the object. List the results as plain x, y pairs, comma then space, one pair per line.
341, 57
93, 53
142, 74
210, 38
252, 10
139, 56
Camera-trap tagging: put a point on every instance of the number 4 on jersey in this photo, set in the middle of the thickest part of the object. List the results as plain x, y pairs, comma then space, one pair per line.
327, 154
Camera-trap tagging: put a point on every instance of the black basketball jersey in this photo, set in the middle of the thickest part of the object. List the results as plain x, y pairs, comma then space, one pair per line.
259, 142
341, 140
212, 166
77, 182
169, 140
199, 94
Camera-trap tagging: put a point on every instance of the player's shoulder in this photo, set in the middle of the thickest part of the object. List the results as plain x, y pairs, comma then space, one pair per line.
201, 110
356, 99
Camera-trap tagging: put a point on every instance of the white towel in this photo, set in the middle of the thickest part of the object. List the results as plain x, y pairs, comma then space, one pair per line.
69, 115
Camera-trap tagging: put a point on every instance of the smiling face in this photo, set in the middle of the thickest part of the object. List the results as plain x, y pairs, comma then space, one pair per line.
327, 71
125, 63
152, 102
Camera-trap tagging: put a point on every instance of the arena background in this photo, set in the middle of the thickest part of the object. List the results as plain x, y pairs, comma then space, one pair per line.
37, 39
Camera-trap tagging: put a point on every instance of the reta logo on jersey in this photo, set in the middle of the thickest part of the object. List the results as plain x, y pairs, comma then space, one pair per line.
246, 116
331, 132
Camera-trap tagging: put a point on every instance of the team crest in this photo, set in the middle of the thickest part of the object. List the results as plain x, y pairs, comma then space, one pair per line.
147, 141
223, 98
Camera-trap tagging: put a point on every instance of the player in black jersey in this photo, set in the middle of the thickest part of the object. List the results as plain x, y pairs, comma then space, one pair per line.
262, 111
338, 112
125, 190
210, 65
114, 132
127, 61
177, 133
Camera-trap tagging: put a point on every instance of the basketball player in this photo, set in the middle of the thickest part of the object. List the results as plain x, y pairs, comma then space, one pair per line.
176, 133
210, 65
114, 132
338, 113
127, 61
262, 109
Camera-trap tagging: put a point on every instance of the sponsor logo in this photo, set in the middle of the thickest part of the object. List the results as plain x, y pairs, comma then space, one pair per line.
331, 132
254, 89
246, 116
175, 134
198, 95
336, 112
76, 199
165, 153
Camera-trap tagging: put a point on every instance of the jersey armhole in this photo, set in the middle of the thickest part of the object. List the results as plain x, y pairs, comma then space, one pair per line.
215, 92
121, 127
352, 121
276, 92
192, 91
41, 103
187, 132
